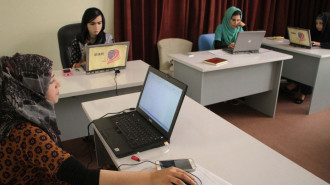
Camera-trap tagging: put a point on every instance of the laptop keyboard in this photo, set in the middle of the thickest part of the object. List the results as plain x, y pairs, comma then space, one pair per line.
135, 130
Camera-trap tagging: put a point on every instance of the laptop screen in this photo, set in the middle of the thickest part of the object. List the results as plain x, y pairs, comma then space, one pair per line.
106, 57
299, 36
161, 99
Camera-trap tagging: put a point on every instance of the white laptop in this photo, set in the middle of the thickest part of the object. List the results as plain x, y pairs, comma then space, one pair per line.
247, 42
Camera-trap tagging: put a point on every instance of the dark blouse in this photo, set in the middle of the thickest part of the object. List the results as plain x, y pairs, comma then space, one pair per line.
78, 53
325, 41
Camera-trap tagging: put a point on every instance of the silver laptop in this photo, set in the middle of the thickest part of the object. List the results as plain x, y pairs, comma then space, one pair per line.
300, 37
247, 42
106, 57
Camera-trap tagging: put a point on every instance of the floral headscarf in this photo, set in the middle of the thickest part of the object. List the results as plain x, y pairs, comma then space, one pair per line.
24, 82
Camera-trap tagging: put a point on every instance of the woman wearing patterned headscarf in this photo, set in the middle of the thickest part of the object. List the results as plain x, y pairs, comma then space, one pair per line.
30, 149
226, 33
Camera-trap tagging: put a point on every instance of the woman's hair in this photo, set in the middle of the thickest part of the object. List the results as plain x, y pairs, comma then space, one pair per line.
237, 13
89, 15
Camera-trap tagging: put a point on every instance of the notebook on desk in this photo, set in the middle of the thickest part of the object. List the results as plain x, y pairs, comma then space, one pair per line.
155, 116
300, 37
247, 42
106, 57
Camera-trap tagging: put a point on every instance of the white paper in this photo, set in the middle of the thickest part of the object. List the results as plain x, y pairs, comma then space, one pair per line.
218, 52
207, 177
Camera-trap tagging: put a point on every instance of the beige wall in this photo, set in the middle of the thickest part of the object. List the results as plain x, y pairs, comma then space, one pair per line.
31, 26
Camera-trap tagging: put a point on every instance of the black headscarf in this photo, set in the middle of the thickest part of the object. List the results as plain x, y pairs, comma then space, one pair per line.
324, 35
24, 82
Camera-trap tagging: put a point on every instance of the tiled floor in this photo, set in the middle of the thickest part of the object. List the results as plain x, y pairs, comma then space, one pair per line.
304, 139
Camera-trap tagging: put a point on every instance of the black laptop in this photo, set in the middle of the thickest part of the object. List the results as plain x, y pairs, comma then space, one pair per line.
153, 121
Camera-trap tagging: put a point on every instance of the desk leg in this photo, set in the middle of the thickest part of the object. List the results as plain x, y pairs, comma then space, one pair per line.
266, 102
320, 98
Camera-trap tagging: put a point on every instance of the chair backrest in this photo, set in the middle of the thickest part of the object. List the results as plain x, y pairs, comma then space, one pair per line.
205, 41
65, 36
171, 46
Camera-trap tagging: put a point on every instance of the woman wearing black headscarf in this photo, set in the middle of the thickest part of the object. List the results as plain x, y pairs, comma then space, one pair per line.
321, 31
92, 32
30, 149
320, 37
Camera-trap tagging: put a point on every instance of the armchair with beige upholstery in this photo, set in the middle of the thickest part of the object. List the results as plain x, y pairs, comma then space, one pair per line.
171, 46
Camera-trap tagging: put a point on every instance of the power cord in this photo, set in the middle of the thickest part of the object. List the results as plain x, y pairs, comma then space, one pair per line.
196, 178
112, 113
87, 137
136, 164
116, 73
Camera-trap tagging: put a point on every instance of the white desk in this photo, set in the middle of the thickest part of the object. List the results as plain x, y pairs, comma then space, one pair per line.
79, 87
254, 76
308, 66
213, 143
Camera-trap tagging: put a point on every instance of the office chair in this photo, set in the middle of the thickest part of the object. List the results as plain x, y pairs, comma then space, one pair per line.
171, 46
205, 41
65, 36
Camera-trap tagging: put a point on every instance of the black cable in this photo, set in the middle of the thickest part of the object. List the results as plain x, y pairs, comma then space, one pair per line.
116, 84
88, 134
87, 137
157, 164
116, 72
136, 164
120, 112
196, 177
